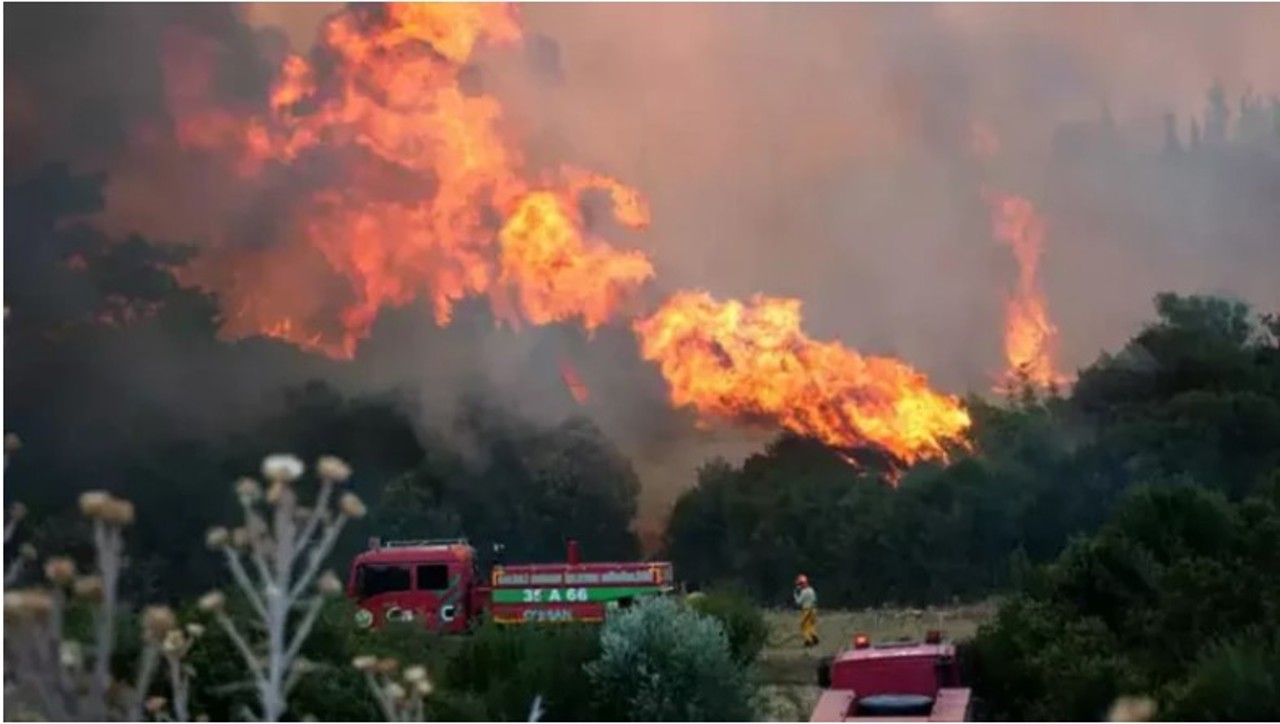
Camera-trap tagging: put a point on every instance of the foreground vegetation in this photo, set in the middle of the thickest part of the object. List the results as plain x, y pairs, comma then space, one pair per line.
1177, 598
73, 653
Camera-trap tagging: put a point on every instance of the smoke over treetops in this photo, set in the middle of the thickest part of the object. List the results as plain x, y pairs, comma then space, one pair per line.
579, 166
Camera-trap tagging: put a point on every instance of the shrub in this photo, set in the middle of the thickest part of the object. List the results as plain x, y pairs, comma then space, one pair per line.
507, 667
743, 623
660, 661
1236, 680
1136, 609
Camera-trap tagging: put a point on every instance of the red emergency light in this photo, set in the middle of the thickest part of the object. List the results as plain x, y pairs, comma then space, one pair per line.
861, 641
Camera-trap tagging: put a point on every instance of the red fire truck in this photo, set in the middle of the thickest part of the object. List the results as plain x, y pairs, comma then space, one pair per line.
894, 681
439, 583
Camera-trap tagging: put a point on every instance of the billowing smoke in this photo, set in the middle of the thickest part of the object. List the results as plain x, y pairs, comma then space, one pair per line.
822, 152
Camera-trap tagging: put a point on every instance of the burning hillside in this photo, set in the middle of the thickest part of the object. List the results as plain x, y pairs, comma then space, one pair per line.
389, 173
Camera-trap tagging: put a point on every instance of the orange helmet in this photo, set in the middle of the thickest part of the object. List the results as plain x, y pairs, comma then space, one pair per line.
802, 580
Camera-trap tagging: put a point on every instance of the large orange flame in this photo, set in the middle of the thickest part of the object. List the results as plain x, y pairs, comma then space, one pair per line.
414, 192
423, 197
1029, 337
743, 362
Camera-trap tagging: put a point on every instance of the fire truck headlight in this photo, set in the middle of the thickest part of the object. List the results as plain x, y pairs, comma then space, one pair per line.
448, 613
364, 618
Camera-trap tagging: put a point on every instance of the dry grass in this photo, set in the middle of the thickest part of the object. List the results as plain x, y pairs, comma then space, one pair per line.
789, 671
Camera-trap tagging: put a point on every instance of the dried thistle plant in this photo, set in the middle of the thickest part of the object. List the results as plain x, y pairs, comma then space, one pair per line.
401, 695
50, 673
174, 647
275, 559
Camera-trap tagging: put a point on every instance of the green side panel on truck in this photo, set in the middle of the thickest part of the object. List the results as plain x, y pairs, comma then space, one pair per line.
572, 594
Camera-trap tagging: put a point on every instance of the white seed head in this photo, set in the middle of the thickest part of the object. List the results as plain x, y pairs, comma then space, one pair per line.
352, 506
70, 654
60, 570
248, 491
282, 468
117, 511
175, 643
195, 630
387, 665
365, 663
333, 469
414, 674
155, 704
212, 601
28, 552
27, 604
217, 537
424, 687
87, 587
93, 501
329, 584
157, 622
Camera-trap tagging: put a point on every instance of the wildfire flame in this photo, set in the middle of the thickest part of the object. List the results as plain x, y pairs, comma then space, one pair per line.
1030, 337
420, 195
740, 362
427, 198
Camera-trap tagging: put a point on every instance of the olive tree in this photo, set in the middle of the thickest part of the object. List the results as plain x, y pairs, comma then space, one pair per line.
661, 661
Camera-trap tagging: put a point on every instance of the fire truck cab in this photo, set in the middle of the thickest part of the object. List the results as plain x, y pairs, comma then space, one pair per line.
894, 681
435, 581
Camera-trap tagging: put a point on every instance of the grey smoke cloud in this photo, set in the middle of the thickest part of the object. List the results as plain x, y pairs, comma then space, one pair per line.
820, 152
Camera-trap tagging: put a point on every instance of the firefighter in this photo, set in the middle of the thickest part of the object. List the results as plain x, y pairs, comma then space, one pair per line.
807, 601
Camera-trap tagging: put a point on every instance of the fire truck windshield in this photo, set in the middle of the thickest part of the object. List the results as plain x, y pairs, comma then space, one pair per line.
373, 579
433, 577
